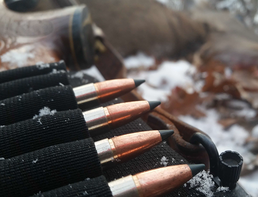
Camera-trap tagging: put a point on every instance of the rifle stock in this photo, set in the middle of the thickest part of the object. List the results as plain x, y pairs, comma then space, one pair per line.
46, 36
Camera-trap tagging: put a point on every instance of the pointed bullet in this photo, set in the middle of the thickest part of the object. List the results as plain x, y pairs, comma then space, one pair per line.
101, 119
95, 93
128, 146
156, 182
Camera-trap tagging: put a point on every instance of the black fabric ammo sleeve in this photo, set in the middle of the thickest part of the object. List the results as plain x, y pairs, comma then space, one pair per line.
49, 168
25, 85
26, 106
33, 134
91, 187
30, 71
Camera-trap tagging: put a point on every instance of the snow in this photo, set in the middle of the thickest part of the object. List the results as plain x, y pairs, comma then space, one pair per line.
228, 72
256, 18
173, 74
159, 82
39, 121
92, 71
173, 4
78, 75
250, 183
255, 131
231, 5
164, 161
41, 65
202, 182
19, 98
35, 161
152, 93
224, 140
222, 189
54, 71
44, 111
140, 60
244, 109
19, 56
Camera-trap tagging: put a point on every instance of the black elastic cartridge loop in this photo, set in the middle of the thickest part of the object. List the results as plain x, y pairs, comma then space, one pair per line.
207, 143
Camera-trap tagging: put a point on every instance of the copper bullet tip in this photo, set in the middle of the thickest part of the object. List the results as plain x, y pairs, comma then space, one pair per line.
196, 168
165, 134
154, 104
138, 82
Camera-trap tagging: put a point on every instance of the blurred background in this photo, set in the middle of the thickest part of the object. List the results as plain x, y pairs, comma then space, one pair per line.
198, 57
215, 87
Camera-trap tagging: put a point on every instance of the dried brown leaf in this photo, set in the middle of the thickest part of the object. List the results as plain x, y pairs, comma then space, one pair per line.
182, 103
